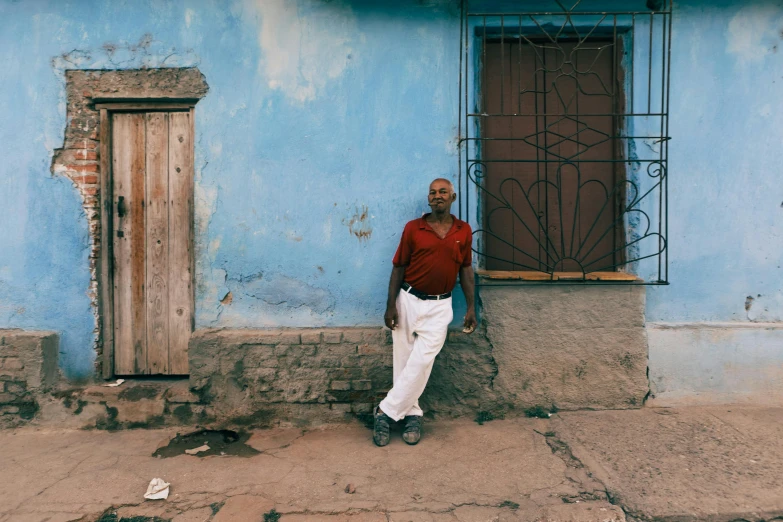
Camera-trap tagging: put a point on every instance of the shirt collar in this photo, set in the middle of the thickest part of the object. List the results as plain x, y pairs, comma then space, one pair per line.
423, 225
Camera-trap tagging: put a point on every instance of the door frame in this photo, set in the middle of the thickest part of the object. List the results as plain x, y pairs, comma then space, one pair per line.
105, 261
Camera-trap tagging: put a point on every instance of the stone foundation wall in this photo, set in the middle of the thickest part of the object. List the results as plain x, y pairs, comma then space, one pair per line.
260, 377
28, 369
564, 347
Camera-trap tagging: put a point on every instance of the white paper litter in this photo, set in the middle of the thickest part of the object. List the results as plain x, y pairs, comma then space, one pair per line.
115, 383
157, 490
195, 451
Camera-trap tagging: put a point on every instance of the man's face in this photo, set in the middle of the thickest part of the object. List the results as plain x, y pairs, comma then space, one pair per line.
441, 196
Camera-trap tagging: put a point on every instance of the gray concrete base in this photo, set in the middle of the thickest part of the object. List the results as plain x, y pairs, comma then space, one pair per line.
571, 346
716, 363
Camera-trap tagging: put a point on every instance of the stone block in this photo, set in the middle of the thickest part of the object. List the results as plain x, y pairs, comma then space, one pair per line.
346, 374
11, 363
100, 393
327, 362
375, 336
340, 385
351, 361
333, 337
33, 355
340, 407
16, 388
361, 407
141, 412
290, 338
262, 378
372, 349
281, 350
338, 350
353, 336
311, 337
361, 385
7, 398
307, 350
9, 410
180, 394
259, 355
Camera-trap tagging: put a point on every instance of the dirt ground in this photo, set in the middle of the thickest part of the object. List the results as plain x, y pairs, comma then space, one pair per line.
707, 463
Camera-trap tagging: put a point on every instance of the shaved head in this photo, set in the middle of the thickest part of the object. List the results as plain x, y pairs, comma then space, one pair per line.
444, 180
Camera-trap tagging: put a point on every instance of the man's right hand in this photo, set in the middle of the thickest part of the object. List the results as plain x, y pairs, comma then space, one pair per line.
390, 317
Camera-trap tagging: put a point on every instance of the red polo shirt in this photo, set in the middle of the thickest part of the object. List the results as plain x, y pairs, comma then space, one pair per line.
431, 263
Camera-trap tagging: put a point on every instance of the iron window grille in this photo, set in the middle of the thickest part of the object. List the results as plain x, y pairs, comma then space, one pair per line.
547, 177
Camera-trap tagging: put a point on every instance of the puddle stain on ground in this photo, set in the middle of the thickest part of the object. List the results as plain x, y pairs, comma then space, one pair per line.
220, 442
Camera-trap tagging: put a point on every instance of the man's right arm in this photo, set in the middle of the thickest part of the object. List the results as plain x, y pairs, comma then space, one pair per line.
395, 283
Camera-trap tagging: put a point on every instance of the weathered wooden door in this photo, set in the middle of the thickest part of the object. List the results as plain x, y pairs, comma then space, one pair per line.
152, 182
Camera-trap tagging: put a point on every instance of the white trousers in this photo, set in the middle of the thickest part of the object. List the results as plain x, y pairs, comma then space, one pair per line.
418, 337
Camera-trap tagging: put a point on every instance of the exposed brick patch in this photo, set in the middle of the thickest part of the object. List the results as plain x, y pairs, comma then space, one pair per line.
79, 158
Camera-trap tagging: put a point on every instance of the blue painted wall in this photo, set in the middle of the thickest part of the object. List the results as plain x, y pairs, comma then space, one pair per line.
323, 125
725, 186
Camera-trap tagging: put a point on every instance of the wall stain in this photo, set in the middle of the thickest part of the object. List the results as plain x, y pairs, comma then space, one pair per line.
358, 225
748, 303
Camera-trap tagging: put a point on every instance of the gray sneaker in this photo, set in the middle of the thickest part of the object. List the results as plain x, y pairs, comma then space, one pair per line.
412, 432
380, 428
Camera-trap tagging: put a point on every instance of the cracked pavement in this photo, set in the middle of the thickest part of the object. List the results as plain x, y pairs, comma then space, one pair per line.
677, 464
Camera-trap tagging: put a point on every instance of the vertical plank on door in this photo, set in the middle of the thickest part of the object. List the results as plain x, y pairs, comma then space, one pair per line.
180, 211
157, 243
105, 262
128, 162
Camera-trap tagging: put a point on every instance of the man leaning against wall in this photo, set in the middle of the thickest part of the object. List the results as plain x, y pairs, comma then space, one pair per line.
433, 250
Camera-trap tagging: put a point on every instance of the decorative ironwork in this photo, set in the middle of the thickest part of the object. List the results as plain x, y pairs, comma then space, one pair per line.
564, 138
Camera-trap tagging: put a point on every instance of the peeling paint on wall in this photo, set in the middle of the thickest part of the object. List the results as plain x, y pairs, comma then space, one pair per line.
304, 44
754, 32
146, 52
278, 290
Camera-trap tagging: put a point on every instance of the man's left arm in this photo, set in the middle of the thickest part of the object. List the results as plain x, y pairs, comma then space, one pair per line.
467, 282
